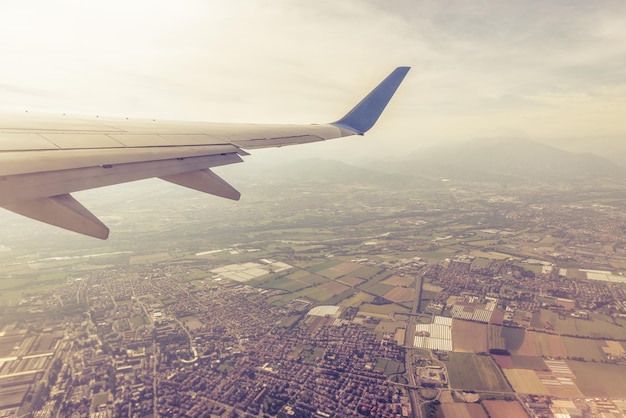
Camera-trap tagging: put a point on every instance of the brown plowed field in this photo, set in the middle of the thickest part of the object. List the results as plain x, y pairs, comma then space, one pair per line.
529, 346
469, 337
345, 268
399, 281
334, 287
400, 294
504, 409
463, 410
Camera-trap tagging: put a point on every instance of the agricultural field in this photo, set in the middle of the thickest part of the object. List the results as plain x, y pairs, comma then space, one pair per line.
427, 296
474, 372
549, 345
357, 300
365, 272
378, 289
429, 287
316, 293
480, 262
345, 268
529, 345
404, 281
334, 287
13, 395
312, 280
528, 362
469, 337
339, 270
150, 258
463, 410
525, 381
505, 338
520, 362
495, 341
283, 283
351, 281
493, 255
390, 367
583, 348
323, 266
504, 409
381, 311
389, 326
598, 326
437, 256
400, 294
513, 337
298, 275
599, 379
612, 347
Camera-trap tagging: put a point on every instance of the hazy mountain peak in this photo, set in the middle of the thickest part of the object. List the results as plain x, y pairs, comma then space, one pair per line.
515, 157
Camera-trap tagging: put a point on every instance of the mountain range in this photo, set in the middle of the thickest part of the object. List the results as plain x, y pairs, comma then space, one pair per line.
503, 159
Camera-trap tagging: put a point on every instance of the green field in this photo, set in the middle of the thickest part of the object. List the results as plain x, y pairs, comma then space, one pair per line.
15, 288
323, 266
599, 379
137, 321
378, 289
513, 337
298, 274
283, 283
357, 299
494, 338
312, 280
481, 262
528, 362
314, 293
367, 273
582, 347
390, 367
473, 372
599, 326
493, 255
331, 274
368, 308
389, 326
150, 258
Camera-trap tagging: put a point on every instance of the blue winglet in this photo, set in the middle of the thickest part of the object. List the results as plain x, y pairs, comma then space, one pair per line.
364, 115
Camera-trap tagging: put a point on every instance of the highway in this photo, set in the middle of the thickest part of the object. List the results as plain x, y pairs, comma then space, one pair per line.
409, 337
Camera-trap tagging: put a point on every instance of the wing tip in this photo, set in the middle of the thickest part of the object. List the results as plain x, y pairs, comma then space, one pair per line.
365, 114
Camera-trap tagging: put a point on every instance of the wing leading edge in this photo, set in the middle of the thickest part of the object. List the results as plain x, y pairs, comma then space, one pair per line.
43, 159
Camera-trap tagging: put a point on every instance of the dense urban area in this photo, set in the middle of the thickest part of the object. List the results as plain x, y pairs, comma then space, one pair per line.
438, 298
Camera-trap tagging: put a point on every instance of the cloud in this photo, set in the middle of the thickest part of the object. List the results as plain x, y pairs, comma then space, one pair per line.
544, 68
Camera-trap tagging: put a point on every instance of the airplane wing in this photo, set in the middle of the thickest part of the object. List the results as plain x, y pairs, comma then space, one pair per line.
45, 158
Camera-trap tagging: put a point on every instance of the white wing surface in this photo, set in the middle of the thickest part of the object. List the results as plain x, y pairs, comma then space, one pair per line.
45, 158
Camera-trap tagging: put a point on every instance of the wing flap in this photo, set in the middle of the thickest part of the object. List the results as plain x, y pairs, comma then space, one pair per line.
204, 181
63, 211
22, 162
38, 185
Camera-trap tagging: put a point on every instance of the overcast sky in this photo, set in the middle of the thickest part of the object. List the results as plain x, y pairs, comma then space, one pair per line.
479, 68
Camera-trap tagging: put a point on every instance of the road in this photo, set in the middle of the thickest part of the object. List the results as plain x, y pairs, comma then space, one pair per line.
409, 337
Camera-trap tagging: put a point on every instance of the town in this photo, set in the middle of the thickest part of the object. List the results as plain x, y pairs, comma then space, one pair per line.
483, 304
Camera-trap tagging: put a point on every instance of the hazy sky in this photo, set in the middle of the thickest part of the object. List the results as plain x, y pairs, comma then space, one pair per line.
480, 68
